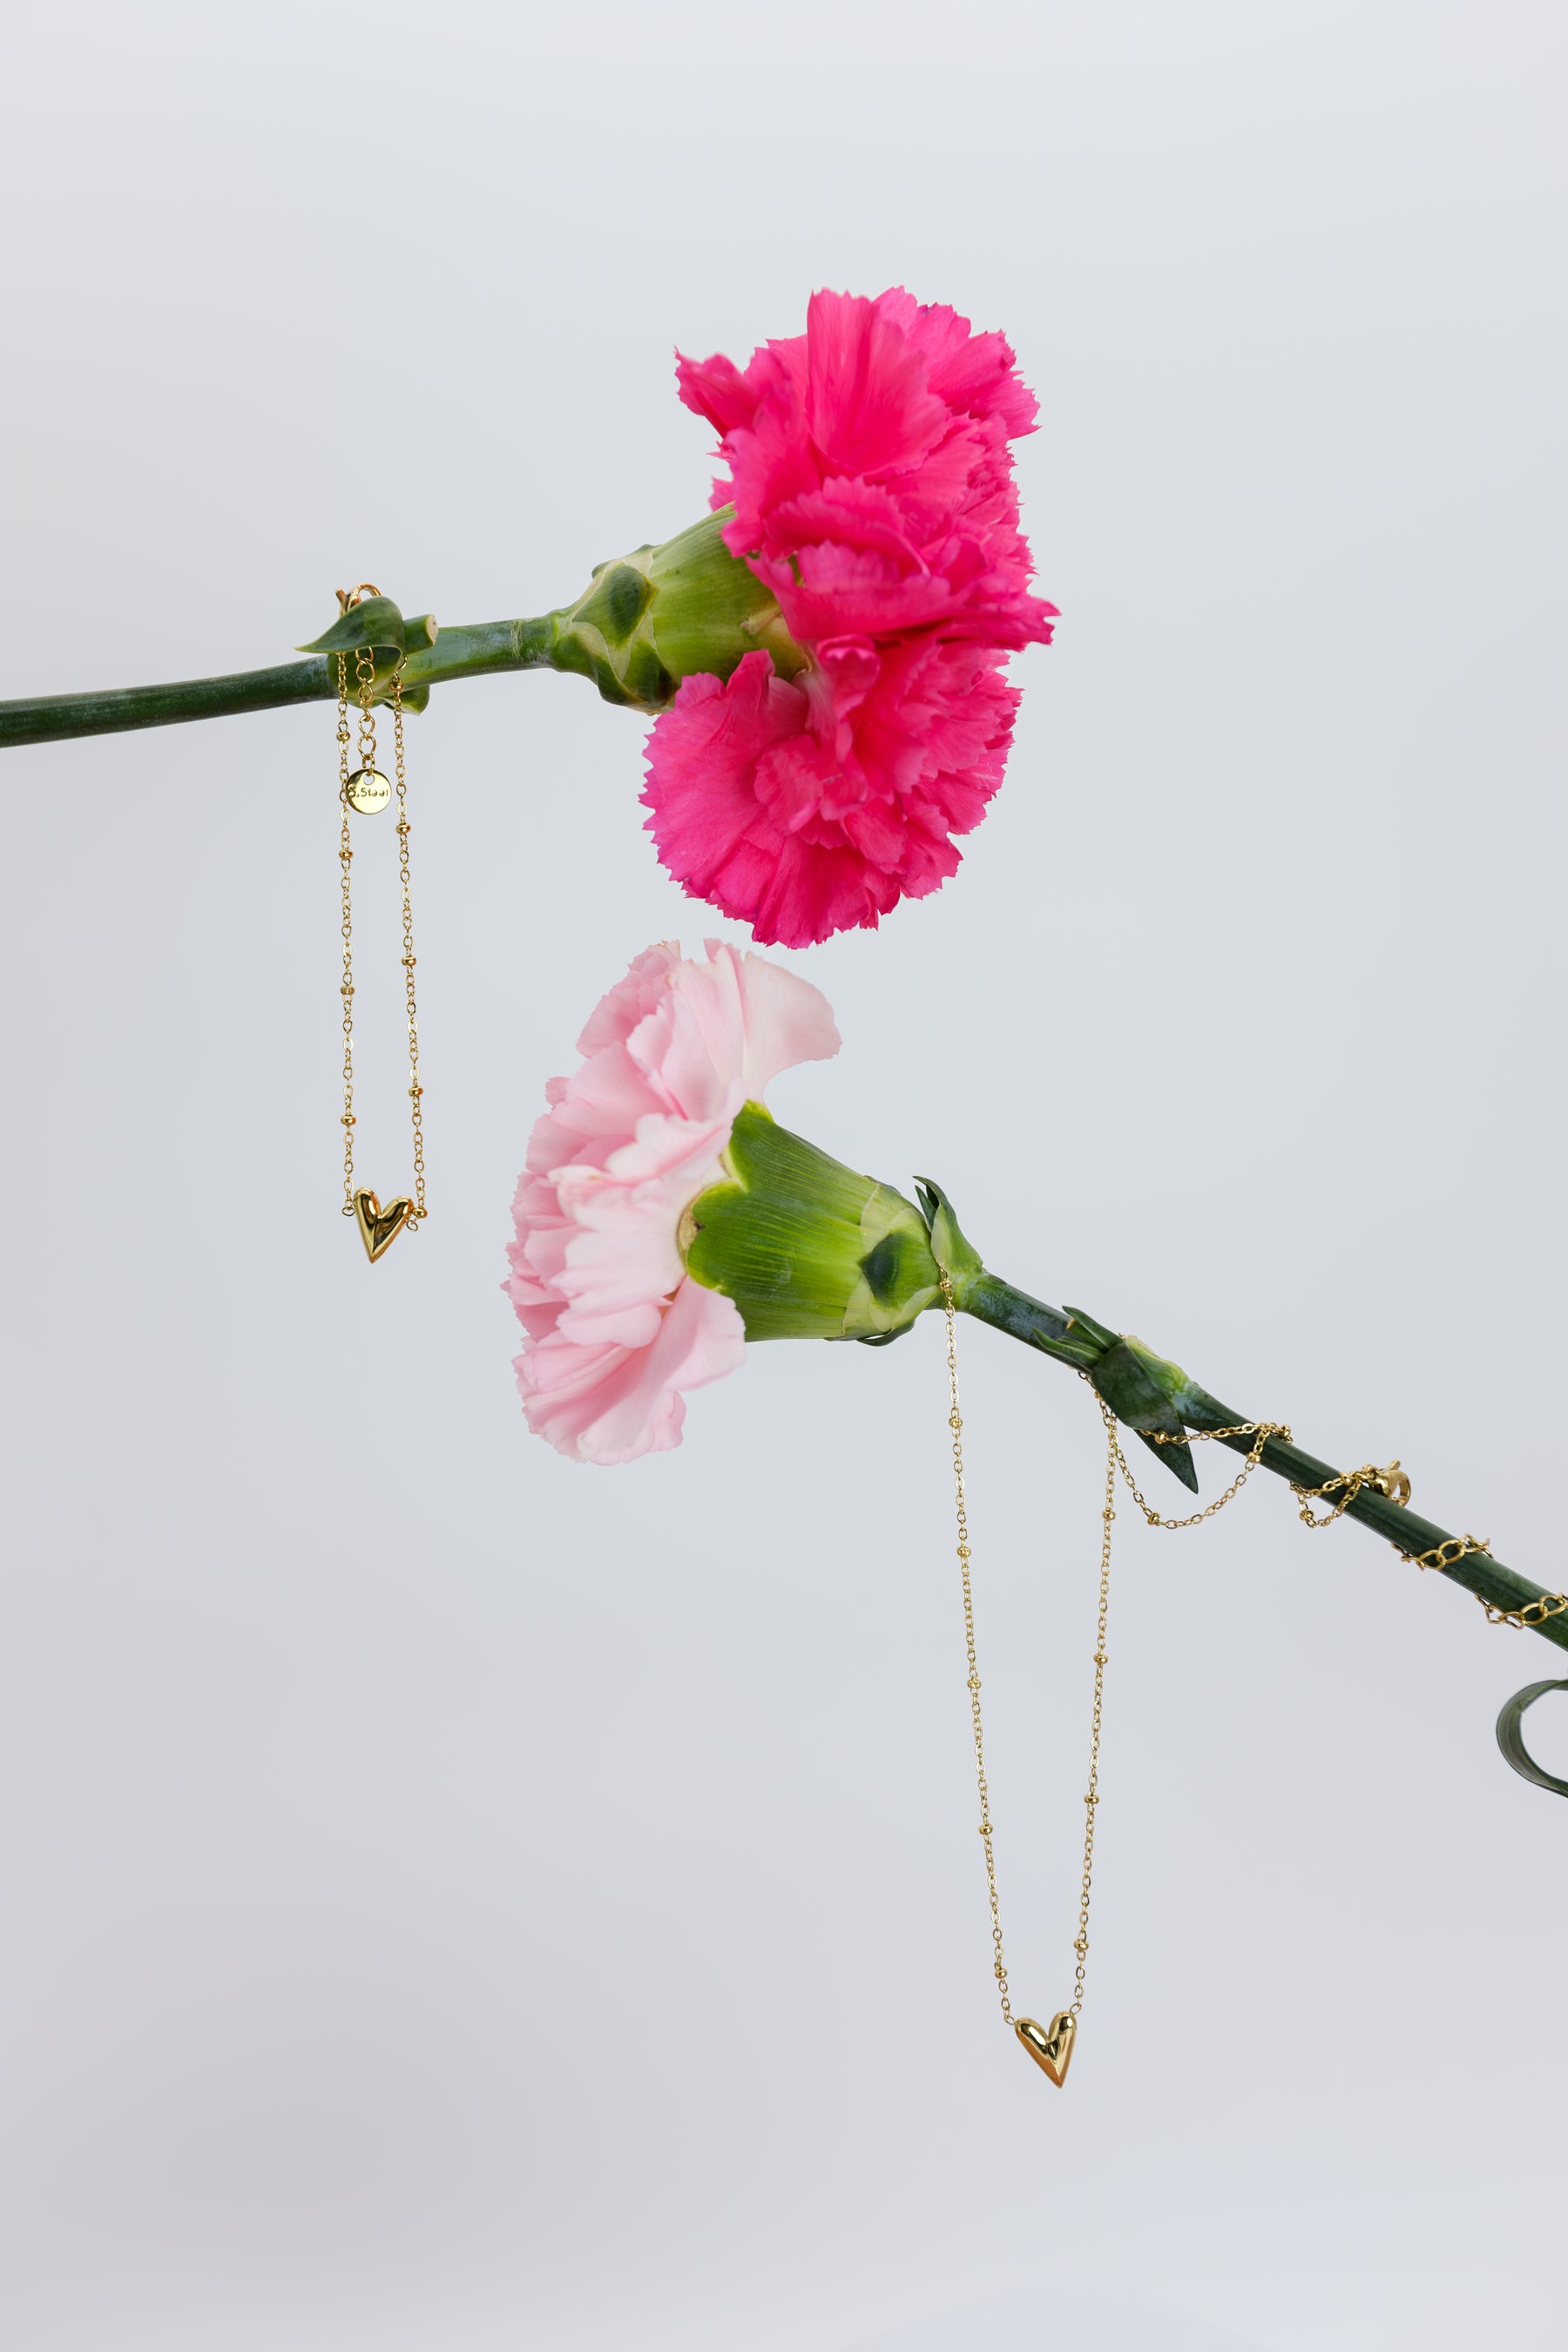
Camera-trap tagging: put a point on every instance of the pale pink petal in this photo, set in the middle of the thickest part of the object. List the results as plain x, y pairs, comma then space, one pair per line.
610, 1404
621, 1261
618, 1011
753, 1017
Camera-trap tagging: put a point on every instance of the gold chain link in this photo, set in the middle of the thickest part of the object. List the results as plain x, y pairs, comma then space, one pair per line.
1529, 1615
1448, 1553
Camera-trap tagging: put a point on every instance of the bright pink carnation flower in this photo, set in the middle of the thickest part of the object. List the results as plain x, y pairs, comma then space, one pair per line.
617, 1329
873, 489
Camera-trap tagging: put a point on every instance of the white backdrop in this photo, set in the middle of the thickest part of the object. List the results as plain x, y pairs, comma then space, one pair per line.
455, 1900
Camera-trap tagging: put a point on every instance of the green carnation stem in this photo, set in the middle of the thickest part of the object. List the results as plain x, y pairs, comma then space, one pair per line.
475, 650
1053, 1333
645, 622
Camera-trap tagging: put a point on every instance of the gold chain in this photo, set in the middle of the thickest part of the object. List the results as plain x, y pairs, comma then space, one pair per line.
346, 860
1260, 1432
955, 1424
1525, 1618
1391, 1483
364, 687
1531, 1613
1091, 1795
415, 1091
1448, 1553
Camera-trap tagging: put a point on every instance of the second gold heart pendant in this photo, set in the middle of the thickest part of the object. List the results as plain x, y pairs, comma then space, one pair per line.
365, 792
1050, 2046
379, 1227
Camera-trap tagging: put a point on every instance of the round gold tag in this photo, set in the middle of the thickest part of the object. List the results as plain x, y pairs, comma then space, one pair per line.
368, 790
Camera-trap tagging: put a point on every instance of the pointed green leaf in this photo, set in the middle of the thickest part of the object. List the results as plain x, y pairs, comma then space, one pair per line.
1178, 1459
376, 623
1138, 1387
956, 1256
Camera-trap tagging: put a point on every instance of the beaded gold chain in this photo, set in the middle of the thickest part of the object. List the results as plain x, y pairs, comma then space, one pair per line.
365, 792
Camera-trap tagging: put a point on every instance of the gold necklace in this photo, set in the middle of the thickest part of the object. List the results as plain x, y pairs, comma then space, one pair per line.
1051, 2046
366, 792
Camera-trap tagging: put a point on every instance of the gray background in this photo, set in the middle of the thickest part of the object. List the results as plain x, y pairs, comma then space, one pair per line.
455, 1899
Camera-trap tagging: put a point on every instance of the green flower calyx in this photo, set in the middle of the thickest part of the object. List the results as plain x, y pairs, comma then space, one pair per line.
806, 1248
661, 614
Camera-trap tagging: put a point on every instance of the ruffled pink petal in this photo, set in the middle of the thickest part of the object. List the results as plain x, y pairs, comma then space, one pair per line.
968, 371
839, 592
754, 1017
702, 756
716, 389
846, 513
610, 1092
622, 1260
868, 406
631, 999
609, 1404
807, 809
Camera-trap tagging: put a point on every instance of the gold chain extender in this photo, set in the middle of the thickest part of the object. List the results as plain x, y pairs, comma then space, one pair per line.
364, 792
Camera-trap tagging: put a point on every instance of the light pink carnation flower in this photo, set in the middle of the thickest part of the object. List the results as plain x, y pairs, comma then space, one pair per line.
616, 1330
873, 489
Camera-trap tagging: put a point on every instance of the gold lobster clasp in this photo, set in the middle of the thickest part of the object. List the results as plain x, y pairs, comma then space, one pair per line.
1393, 1484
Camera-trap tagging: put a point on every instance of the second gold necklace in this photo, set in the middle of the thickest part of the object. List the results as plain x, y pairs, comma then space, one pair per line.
1051, 2046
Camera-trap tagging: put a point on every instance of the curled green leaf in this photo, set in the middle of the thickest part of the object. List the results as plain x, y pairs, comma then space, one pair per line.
1511, 1738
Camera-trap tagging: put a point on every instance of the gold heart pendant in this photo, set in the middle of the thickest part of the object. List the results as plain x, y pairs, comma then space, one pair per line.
1050, 2046
379, 1227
